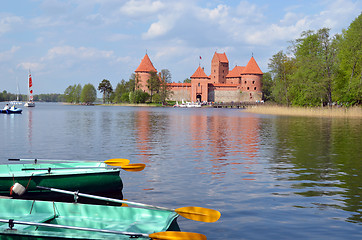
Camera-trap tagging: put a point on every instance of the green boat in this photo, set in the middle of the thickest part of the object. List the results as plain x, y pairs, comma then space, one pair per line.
90, 177
33, 219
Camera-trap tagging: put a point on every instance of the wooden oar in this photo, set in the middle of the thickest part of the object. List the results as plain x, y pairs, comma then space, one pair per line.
111, 162
193, 213
169, 235
133, 167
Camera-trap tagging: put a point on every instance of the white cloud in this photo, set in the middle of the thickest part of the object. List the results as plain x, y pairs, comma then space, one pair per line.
220, 13
6, 22
140, 8
6, 55
81, 53
164, 24
31, 65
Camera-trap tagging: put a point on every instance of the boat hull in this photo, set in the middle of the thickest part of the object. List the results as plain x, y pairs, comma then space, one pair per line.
112, 218
29, 104
92, 180
9, 111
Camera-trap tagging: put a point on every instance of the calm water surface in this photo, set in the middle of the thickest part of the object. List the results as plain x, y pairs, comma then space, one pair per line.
270, 177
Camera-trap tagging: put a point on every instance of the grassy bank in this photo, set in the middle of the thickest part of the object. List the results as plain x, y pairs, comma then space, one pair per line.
351, 112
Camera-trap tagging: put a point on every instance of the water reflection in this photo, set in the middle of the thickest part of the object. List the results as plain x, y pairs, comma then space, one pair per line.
319, 158
30, 127
224, 141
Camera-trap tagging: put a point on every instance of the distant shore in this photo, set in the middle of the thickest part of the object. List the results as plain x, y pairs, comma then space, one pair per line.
342, 112
350, 112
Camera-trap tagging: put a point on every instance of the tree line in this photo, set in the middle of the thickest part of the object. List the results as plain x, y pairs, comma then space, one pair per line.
318, 69
125, 91
52, 97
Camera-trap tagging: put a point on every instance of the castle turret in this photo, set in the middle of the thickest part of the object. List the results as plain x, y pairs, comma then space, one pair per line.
219, 68
251, 80
199, 85
143, 73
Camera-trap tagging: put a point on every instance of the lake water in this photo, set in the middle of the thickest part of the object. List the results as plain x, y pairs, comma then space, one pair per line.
270, 177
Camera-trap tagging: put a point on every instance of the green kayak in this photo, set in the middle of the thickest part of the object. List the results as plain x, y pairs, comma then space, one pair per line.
32, 219
91, 177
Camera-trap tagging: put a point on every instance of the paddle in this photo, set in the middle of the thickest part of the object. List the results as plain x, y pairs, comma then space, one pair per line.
133, 167
193, 213
169, 235
111, 162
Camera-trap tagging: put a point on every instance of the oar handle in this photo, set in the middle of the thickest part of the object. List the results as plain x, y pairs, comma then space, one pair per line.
104, 198
66, 168
12, 222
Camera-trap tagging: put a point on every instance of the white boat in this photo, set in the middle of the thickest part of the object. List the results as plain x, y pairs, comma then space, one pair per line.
192, 105
30, 102
187, 104
16, 102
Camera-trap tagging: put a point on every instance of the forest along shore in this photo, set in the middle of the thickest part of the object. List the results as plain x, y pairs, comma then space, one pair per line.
350, 112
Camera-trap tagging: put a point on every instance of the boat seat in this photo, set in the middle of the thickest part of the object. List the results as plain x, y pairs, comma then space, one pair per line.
35, 218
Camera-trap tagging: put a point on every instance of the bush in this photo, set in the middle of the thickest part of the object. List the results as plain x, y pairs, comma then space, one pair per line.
138, 96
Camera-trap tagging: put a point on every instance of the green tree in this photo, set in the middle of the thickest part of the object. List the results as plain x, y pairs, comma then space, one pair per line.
135, 80
120, 89
267, 86
165, 77
77, 92
281, 68
153, 83
105, 87
89, 94
315, 68
187, 80
125, 97
70, 93
138, 96
349, 81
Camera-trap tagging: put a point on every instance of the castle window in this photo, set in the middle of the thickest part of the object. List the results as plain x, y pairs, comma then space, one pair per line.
245, 82
254, 88
248, 88
199, 85
253, 82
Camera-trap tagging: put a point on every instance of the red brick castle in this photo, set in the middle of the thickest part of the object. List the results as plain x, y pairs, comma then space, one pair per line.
222, 85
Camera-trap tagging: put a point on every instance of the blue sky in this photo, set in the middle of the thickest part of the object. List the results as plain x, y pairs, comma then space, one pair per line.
84, 41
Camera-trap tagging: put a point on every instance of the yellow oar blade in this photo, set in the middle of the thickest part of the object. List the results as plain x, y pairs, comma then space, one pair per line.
171, 235
134, 167
117, 162
199, 214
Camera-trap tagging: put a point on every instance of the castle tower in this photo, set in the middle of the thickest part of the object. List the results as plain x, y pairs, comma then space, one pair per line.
219, 68
143, 73
251, 80
199, 85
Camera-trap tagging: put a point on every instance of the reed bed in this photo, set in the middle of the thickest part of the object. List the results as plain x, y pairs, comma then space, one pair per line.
350, 112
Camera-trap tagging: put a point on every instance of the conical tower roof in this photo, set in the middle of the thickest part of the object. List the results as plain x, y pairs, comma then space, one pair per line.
146, 65
252, 67
236, 72
199, 73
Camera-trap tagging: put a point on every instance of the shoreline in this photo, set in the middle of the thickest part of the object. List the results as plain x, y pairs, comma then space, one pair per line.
330, 112
341, 112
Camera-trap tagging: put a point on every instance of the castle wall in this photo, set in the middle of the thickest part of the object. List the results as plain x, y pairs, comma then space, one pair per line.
180, 91
251, 96
227, 96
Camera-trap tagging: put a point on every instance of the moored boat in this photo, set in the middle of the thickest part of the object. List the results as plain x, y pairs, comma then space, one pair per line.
91, 177
187, 104
30, 102
31, 219
12, 110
